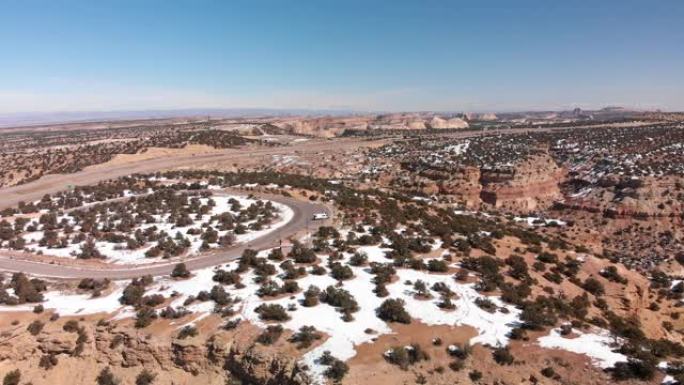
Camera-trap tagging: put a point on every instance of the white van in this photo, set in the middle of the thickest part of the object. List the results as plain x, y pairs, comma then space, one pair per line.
320, 216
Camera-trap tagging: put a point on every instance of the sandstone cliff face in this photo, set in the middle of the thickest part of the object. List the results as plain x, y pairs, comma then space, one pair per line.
531, 185
464, 186
128, 351
333, 126
644, 197
437, 122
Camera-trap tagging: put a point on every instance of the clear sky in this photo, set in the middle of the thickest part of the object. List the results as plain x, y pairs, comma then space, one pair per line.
59, 55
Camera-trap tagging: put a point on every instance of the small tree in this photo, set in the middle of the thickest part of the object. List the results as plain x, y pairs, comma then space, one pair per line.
145, 378
187, 331
503, 356
270, 335
35, 327
106, 377
392, 310
305, 337
12, 378
180, 271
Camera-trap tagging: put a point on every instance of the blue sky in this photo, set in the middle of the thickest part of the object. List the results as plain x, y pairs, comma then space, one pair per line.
501, 55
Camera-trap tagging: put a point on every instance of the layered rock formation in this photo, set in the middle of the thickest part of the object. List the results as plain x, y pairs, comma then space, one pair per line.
332, 126
529, 185
127, 352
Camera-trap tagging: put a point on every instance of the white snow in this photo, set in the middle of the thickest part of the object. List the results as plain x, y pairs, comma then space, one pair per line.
118, 253
536, 221
598, 346
67, 304
343, 337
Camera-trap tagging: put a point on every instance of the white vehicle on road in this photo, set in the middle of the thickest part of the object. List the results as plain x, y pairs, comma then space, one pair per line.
320, 216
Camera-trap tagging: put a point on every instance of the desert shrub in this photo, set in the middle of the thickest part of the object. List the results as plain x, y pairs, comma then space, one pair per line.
152, 300
518, 333
392, 310
593, 286
547, 257
171, 313
48, 361
475, 375
459, 351
187, 331
503, 356
133, 293
269, 288
311, 296
536, 316
611, 273
548, 372
106, 377
89, 250
232, 324
180, 271
272, 312
301, 254
226, 277
336, 370
305, 337
340, 272
270, 335
633, 369
518, 267
71, 326
380, 290
12, 377
339, 298
93, 284
421, 289
35, 327
485, 304
145, 377
446, 304
276, 254
358, 259
457, 365
144, 317
219, 295
405, 356
27, 290
290, 287
437, 266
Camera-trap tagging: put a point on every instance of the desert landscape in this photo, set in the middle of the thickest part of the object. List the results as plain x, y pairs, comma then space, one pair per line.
352, 192
409, 248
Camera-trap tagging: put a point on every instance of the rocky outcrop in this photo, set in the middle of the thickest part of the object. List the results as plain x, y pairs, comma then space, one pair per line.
464, 186
127, 351
440, 123
530, 185
332, 126
258, 365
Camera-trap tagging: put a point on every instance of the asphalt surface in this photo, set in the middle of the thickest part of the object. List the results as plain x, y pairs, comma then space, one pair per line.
300, 222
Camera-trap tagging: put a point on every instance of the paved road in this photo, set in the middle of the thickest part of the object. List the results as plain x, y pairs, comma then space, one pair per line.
301, 221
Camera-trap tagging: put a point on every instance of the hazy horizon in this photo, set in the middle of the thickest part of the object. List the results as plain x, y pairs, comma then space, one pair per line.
490, 56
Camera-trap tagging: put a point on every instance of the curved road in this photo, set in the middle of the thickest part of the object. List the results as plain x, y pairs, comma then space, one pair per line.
301, 220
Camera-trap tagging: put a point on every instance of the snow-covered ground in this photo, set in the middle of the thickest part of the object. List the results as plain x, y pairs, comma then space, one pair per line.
536, 221
597, 345
118, 253
343, 338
